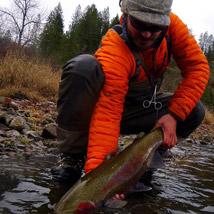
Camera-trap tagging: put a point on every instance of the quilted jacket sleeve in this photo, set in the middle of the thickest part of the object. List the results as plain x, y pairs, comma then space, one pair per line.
117, 63
193, 65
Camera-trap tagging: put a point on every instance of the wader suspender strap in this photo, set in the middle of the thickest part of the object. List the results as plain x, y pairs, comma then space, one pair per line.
119, 30
169, 47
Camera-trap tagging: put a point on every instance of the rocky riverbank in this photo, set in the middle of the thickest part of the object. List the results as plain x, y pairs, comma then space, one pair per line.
29, 129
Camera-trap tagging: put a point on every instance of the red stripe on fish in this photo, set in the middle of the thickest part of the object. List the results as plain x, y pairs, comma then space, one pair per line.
124, 173
85, 207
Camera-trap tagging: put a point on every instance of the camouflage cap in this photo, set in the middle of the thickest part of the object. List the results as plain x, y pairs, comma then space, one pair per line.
150, 11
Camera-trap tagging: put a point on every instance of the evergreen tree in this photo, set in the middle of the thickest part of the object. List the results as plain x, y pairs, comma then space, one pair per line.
85, 32
76, 17
5, 41
52, 35
90, 30
210, 53
69, 44
105, 20
115, 21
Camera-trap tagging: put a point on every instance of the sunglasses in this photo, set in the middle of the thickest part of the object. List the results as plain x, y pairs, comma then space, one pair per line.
143, 26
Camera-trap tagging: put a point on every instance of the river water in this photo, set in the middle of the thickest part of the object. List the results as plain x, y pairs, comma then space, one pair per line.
184, 185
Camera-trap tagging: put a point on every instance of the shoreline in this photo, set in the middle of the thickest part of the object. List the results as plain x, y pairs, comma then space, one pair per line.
28, 129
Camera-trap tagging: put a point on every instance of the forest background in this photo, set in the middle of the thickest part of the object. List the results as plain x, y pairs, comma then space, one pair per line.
33, 50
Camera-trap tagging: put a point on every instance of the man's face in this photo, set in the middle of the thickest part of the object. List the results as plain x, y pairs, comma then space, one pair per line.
143, 34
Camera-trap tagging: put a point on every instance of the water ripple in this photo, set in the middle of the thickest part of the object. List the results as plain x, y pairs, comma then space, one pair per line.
184, 185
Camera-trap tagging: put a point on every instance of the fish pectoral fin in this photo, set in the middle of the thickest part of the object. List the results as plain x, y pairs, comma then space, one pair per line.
156, 161
115, 203
140, 187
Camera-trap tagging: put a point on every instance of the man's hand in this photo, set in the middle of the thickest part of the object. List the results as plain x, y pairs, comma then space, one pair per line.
168, 125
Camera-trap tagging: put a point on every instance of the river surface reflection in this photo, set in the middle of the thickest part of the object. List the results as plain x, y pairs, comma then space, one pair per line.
184, 185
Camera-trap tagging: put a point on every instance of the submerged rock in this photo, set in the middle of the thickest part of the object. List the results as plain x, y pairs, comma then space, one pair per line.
12, 133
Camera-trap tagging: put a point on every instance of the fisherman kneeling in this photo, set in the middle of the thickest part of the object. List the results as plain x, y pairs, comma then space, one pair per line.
117, 90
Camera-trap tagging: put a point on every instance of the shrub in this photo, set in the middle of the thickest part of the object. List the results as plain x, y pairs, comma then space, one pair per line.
28, 76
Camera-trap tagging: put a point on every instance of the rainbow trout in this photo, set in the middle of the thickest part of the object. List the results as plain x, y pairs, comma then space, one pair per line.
117, 175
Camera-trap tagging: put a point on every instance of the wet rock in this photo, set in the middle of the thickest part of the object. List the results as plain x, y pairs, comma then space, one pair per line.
28, 152
21, 146
2, 117
3, 128
9, 142
18, 123
24, 140
14, 106
11, 154
8, 149
20, 113
189, 140
50, 143
27, 114
4, 156
1, 148
2, 139
49, 132
207, 138
48, 121
2, 133
12, 133
202, 142
53, 151
26, 128
197, 141
39, 145
8, 119
11, 111
33, 135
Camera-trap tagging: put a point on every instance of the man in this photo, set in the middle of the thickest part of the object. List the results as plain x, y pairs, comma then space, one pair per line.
117, 90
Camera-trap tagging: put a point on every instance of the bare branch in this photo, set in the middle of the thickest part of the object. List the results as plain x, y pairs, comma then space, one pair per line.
22, 18
12, 16
19, 5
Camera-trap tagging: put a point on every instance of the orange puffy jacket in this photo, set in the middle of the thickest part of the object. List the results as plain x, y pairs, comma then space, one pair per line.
118, 64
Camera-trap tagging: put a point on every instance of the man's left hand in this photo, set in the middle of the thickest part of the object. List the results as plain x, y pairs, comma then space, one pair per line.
168, 125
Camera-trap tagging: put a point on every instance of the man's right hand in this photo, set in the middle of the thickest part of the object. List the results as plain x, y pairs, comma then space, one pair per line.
168, 125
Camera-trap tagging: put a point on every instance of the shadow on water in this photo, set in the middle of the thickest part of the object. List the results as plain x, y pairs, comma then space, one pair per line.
184, 185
